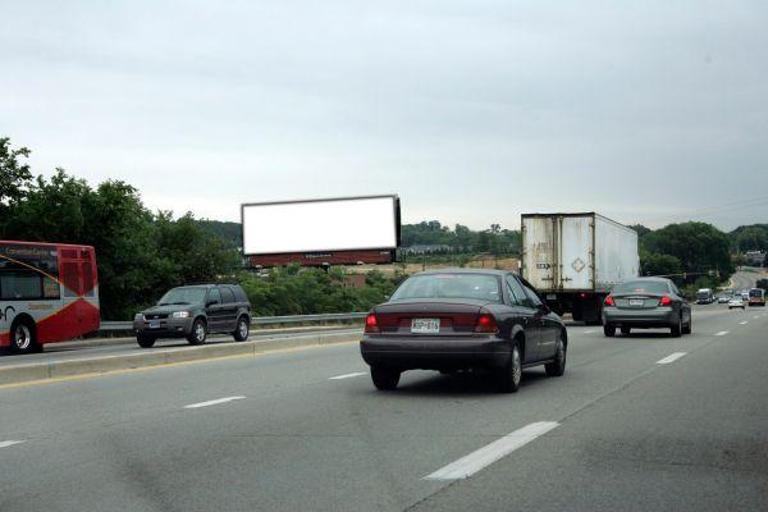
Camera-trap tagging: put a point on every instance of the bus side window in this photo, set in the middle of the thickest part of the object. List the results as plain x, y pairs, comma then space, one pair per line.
20, 285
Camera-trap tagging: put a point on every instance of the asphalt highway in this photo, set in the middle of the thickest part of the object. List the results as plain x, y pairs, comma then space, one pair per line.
645, 422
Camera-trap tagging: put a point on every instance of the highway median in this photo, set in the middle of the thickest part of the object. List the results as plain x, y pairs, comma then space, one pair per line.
87, 365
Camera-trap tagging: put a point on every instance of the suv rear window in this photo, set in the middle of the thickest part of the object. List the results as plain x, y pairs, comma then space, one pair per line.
240, 293
226, 294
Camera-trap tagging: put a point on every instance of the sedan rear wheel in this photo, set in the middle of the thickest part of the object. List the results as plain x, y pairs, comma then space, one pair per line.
688, 329
677, 330
509, 377
557, 367
385, 379
609, 330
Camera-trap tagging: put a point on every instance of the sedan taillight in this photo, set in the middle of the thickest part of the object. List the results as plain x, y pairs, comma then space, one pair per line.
609, 301
372, 323
665, 301
486, 323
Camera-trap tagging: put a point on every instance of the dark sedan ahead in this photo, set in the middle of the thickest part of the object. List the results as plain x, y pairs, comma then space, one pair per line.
647, 303
452, 320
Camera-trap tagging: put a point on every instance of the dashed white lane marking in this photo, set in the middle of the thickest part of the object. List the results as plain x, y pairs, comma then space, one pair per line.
671, 358
591, 331
721, 333
213, 402
6, 444
488, 454
745, 322
347, 376
756, 317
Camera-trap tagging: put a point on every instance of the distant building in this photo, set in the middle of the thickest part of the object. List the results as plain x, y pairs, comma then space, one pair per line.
754, 257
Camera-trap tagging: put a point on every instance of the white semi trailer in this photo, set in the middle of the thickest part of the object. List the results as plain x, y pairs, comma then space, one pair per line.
575, 259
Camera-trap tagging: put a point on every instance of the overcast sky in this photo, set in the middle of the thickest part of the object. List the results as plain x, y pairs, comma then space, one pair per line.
472, 111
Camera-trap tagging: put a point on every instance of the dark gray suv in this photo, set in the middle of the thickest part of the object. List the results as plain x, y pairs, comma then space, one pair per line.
193, 312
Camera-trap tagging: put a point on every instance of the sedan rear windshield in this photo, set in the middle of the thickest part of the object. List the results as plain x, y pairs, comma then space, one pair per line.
641, 287
190, 295
450, 286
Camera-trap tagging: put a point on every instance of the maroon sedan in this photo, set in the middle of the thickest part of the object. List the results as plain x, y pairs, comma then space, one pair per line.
452, 320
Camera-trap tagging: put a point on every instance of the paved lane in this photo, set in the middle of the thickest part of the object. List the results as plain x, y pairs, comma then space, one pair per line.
285, 432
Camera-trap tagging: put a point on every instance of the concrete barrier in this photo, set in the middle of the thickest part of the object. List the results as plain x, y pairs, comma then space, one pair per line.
161, 356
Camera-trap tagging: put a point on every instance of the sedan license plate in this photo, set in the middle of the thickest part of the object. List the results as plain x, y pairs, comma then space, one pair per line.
425, 326
636, 302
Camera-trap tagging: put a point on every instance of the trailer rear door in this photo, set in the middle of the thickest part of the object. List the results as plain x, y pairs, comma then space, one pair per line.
539, 258
576, 255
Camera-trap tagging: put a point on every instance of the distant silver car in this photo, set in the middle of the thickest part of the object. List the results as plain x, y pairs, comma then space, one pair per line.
647, 303
723, 299
737, 302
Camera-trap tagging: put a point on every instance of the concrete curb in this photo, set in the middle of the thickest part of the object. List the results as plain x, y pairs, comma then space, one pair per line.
260, 333
159, 357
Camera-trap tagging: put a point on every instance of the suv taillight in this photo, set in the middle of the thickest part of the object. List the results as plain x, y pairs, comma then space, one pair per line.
609, 301
486, 323
372, 323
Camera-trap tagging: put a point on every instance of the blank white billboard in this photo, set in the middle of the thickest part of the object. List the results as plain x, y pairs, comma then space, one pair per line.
319, 226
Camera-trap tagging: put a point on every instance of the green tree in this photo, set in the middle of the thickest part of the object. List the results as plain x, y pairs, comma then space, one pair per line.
15, 176
699, 247
653, 264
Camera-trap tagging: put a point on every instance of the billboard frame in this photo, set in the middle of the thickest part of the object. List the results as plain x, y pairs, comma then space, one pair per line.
396, 215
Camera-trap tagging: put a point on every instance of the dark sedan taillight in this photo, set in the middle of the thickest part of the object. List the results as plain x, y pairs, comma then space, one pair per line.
486, 323
665, 301
609, 301
372, 323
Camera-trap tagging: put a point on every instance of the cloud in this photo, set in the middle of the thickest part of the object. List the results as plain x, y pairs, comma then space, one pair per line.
472, 111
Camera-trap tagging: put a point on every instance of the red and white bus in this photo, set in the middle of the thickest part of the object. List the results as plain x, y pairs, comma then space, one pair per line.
48, 293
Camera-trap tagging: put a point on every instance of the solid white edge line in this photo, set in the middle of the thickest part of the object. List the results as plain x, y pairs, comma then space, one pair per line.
6, 444
347, 376
213, 402
487, 455
721, 333
745, 322
671, 358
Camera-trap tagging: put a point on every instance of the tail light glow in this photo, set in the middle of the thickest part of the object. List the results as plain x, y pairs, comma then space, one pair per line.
371, 323
486, 323
609, 301
665, 301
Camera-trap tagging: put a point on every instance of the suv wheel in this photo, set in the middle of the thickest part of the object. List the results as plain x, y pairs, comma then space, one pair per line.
198, 334
145, 340
557, 367
243, 328
509, 377
385, 379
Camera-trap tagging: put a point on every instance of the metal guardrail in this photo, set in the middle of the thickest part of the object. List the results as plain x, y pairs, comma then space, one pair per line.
260, 320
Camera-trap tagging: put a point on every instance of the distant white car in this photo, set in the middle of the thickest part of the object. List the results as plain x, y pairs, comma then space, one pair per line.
736, 302
723, 299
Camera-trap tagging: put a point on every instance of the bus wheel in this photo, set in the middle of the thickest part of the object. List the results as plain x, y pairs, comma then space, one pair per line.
23, 337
